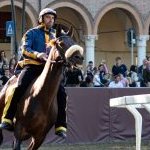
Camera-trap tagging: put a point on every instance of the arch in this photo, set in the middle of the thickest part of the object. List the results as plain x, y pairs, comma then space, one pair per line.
29, 10
146, 25
77, 7
121, 5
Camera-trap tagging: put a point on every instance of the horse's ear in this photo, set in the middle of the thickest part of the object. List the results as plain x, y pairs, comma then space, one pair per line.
70, 32
61, 32
58, 30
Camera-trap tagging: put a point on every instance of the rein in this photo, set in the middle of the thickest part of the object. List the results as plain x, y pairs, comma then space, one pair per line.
63, 59
59, 61
61, 51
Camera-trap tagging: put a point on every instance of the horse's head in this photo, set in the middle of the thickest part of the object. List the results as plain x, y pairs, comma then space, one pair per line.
70, 51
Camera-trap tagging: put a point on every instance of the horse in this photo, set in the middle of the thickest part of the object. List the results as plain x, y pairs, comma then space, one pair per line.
37, 108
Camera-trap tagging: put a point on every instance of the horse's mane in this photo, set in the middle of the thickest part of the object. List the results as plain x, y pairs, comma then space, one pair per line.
67, 41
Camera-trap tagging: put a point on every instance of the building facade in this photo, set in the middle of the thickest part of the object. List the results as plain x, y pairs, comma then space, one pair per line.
100, 26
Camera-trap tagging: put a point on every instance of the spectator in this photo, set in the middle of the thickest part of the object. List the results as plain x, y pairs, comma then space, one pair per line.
73, 77
133, 75
89, 69
146, 74
119, 68
90, 66
4, 67
116, 82
87, 83
148, 58
140, 73
5, 77
105, 68
124, 80
107, 79
12, 65
102, 73
3, 57
96, 78
3, 60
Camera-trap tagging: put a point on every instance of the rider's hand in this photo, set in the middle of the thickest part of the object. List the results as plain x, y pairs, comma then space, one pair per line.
42, 56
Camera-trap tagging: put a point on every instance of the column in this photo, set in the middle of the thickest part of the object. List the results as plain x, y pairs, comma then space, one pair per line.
141, 48
90, 48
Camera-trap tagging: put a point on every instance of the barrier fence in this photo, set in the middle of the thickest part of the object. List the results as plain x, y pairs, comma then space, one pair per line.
90, 118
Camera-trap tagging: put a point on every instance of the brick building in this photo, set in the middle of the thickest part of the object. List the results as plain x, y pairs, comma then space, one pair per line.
100, 26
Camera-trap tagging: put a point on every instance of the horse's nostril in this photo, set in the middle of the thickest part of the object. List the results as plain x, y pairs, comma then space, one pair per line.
77, 57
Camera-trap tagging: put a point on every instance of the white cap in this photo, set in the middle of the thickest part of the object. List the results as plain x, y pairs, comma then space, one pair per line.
46, 11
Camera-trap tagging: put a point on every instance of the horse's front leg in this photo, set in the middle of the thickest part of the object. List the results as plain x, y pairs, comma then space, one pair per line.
17, 144
36, 143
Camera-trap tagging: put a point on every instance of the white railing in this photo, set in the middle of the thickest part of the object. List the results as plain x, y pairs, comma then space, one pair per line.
132, 103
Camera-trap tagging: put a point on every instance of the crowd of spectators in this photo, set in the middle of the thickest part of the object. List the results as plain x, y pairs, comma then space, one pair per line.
119, 76
6, 68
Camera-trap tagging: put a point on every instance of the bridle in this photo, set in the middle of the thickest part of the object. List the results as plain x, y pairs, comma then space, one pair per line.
62, 59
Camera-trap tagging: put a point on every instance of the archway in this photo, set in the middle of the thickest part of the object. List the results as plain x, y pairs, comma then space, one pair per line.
111, 25
73, 11
147, 32
31, 20
80, 11
29, 10
76, 15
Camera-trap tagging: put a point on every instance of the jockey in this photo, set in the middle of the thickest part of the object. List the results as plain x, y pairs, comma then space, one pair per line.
34, 52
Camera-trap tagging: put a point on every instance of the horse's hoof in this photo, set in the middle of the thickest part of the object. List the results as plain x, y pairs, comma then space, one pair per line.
62, 134
6, 126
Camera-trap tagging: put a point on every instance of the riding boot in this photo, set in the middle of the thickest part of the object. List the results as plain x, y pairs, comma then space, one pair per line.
61, 125
10, 108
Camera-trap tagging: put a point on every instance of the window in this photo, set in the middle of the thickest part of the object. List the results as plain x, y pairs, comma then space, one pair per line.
4, 16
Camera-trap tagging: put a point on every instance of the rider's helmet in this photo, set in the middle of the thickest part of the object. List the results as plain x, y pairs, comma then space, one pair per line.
46, 11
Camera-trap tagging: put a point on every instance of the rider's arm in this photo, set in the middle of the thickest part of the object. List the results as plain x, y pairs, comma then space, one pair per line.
27, 42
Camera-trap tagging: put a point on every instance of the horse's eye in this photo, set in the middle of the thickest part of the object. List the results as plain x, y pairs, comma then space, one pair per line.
77, 57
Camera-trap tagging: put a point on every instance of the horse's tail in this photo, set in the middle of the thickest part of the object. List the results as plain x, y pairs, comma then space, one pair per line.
1, 137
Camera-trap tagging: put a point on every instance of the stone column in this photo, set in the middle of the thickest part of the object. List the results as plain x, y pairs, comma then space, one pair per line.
90, 48
141, 48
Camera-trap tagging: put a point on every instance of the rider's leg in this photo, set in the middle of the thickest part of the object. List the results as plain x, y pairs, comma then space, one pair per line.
61, 125
27, 75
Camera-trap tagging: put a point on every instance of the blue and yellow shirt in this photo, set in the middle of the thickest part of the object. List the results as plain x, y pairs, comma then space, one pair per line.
33, 42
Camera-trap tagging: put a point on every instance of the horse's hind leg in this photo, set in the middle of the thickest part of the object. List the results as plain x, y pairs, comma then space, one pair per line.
17, 144
35, 143
1, 137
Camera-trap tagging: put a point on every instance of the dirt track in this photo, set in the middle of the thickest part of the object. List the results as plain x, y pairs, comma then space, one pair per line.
116, 146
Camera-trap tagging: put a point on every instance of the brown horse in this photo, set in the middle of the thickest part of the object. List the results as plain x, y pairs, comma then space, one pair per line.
37, 109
